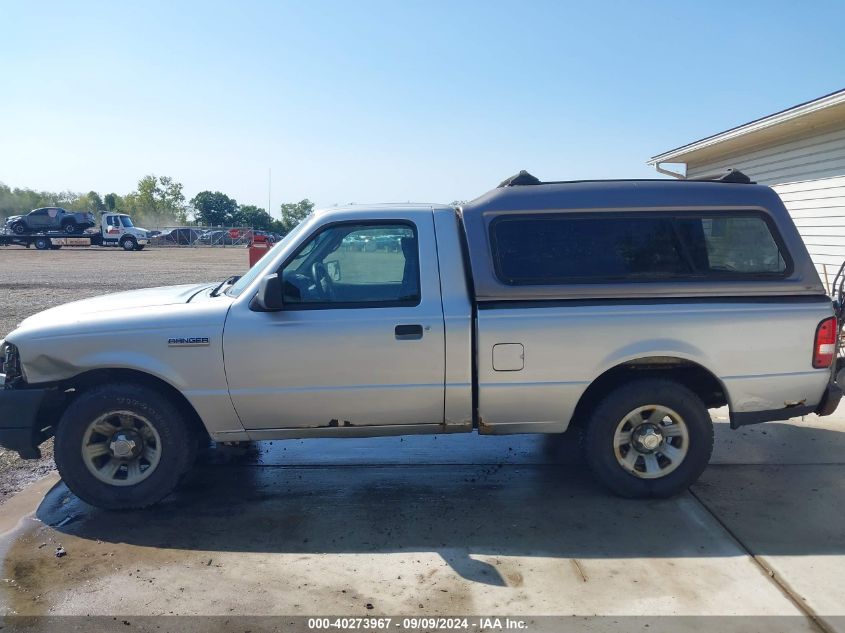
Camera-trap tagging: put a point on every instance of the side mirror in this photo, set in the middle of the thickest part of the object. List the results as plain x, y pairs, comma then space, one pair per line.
269, 297
333, 269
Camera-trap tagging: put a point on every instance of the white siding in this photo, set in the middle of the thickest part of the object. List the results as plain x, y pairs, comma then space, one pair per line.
809, 175
818, 208
810, 157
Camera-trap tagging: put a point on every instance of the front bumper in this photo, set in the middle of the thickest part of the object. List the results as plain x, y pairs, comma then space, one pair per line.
19, 420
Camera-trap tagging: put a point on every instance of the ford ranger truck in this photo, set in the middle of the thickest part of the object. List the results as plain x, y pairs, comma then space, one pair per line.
621, 309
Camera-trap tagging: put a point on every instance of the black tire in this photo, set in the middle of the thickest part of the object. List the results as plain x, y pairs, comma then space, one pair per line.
70, 227
178, 445
19, 228
129, 244
42, 243
598, 441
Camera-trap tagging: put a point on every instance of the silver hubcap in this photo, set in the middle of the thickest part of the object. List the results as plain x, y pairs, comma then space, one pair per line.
121, 448
651, 441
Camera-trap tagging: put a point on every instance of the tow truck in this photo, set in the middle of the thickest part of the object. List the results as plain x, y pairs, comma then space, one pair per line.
116, 229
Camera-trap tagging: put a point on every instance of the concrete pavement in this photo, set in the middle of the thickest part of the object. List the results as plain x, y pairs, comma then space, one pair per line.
453, 525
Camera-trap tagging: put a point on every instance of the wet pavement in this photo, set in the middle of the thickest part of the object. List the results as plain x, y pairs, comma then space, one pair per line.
449, 525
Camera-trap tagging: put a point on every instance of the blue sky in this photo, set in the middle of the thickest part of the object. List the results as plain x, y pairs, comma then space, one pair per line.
389, 101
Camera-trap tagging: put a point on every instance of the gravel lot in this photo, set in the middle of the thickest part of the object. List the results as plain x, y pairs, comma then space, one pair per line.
31, 281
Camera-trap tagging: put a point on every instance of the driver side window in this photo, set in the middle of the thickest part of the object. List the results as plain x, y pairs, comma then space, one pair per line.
356, 265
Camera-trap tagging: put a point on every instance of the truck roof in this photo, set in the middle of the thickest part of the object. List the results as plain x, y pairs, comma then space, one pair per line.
627, 194
388, 206
524, 194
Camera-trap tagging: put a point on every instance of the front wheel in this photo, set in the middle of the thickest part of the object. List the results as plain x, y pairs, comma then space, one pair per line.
129, 244
649, 438
70, 228
122, 446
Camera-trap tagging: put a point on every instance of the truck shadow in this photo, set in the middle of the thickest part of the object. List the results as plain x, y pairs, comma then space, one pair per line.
469, 507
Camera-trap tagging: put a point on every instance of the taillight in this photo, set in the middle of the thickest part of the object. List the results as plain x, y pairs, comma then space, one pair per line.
824, 347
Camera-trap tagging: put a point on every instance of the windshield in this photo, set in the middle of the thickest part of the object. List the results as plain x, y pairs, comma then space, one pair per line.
259, 268
126, 221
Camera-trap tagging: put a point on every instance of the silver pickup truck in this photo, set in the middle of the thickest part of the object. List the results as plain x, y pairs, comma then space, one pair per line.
622, 309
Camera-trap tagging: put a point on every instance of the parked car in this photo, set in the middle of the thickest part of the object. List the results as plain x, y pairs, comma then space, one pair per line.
362, 242
387, 242
622, 309
176, 237
50, 219
266, 235
216, 238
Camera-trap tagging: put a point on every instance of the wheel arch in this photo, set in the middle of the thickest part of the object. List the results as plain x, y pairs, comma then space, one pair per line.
691, 374
96, 377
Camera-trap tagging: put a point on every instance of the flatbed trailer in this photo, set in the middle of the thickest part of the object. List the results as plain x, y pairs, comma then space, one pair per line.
116, 229
50, 240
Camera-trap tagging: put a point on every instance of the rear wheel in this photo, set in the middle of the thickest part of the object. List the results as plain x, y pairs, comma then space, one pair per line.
123, 446
19, 228
649, 438
42, 243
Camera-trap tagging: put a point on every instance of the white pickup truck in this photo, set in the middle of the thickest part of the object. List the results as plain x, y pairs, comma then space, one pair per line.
625, 309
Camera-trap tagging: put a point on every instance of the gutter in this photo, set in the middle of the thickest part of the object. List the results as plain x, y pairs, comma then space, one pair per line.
802, 109
669, 172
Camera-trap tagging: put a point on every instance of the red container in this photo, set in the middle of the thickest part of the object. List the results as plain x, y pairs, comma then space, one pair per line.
258, 248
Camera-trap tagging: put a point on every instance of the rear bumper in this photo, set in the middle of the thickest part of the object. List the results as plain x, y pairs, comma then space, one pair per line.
833, 393
829, 401
19, 414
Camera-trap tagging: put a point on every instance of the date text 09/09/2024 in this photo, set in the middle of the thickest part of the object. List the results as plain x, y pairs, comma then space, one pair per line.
417, 623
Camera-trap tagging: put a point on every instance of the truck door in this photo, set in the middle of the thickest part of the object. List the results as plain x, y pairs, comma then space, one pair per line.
360, 341
112, 227
40, 219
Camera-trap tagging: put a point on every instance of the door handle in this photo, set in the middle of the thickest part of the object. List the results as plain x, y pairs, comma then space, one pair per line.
408, 332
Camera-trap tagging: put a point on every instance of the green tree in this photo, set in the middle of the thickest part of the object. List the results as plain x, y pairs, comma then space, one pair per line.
71, 201
96, 201
171, 196
295, 212
254, 217
112, 202
157, 200
214, 208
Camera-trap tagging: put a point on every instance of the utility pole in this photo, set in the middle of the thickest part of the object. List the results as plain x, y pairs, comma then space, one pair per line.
269, 190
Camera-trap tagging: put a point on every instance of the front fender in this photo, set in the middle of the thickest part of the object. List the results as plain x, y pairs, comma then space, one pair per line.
50, 367
151, 341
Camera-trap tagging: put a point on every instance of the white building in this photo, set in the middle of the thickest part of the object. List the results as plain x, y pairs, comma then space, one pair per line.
800, 153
